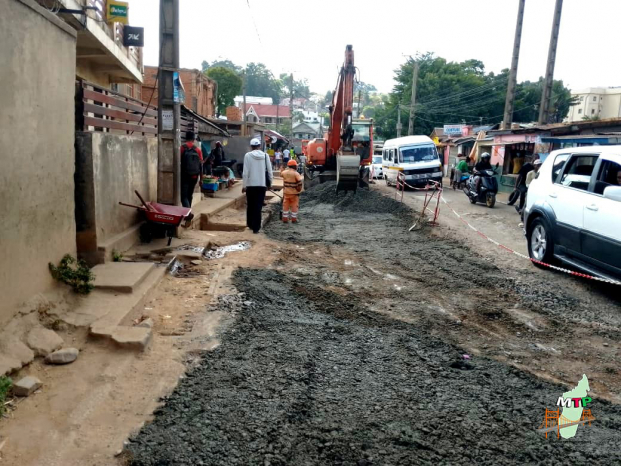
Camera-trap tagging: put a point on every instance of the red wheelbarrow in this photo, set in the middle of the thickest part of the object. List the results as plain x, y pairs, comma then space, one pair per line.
159, 216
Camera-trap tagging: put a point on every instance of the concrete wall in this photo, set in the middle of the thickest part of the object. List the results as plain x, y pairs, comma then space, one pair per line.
109, 167
36, 150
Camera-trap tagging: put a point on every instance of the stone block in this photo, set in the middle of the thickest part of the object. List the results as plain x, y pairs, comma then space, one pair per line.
8, 364
147, 323
63, 356
123, 277
44, 341
136, 338
27, 386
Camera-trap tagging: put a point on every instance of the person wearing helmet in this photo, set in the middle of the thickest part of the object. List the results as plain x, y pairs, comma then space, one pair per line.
292, 182
257, 177
482, 165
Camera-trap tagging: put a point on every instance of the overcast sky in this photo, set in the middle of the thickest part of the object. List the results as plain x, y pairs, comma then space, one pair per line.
308, 37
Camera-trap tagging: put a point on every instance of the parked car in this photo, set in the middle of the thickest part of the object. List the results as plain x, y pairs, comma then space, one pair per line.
377, 167
573, 210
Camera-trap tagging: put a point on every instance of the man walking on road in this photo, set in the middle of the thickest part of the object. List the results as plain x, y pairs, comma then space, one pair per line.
285, 156
521, 184
277, 158
191, 168
292, 182
257, 177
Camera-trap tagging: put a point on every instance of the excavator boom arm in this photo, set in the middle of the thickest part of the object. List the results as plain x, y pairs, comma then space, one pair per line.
341, 109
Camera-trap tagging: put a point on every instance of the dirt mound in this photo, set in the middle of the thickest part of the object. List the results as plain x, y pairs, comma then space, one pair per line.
363, 200
307, 377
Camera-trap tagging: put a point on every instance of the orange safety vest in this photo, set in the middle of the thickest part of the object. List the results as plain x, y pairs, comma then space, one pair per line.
292, 181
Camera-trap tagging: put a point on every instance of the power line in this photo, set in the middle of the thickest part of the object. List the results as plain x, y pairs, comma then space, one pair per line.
466, 93
254, 23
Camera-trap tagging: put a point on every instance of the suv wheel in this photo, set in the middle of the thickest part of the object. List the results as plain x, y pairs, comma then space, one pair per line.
540, 244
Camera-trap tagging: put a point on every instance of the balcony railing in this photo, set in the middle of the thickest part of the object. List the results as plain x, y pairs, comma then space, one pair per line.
101, 109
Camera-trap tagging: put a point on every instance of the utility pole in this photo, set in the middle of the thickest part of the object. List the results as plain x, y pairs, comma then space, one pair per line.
291, 104
169, 108
245, 119
544, 108
414, 79
510, 99
359, 103
398, 120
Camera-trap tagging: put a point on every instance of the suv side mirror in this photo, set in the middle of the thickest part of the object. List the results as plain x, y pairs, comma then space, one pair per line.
613, 192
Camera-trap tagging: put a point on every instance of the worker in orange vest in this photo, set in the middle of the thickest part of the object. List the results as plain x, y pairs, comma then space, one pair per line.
292, 182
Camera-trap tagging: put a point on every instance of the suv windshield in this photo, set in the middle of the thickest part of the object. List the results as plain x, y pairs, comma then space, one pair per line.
419, 154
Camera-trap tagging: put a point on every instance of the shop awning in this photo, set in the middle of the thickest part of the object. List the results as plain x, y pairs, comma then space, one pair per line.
274, 134
583, 139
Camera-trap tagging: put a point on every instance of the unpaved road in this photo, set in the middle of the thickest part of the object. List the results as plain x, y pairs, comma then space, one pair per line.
348, 350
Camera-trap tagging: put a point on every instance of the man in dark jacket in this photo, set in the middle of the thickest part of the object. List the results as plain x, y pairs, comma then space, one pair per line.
217, 154
521, 184
191, 168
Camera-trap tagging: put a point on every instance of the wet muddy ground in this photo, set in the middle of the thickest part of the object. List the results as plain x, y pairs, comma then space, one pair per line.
349, 350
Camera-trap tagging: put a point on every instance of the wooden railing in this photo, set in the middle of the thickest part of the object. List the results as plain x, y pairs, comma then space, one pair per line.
100, 109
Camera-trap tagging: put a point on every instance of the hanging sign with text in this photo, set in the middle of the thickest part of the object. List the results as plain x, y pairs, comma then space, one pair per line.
118, 12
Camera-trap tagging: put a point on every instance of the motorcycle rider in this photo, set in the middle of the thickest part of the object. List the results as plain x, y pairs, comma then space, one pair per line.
482, 165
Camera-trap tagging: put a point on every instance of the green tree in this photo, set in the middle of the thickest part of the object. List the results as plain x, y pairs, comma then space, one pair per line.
460, 92
298, 117
229, 85
260, 82
221, 62
300, 86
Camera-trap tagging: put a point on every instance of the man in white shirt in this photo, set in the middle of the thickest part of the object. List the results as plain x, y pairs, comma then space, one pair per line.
285, 157
277, 158
257, 177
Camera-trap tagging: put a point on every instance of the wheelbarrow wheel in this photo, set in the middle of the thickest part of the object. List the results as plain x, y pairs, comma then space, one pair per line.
146, 233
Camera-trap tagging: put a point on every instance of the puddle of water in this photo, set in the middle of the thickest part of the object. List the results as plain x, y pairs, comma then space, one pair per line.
174, 267
189, 247
223, 250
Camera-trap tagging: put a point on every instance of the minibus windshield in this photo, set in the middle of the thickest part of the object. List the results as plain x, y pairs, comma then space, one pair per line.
418, 154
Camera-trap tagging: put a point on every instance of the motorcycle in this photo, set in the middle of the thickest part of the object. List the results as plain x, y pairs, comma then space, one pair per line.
488, 188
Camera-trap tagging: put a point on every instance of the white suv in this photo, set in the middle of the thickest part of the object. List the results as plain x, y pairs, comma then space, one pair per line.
573, 210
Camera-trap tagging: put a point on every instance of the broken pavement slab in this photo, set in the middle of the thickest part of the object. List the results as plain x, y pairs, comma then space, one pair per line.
8, 364
26, 386
135, 338
147, 323
17, 349
44, 341
123, 277
62, 356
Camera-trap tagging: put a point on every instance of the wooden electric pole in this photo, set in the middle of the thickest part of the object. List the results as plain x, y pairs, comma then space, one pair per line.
169, 108
245, 118
291, 104
510, 99
398, 120
413, 103
544, 108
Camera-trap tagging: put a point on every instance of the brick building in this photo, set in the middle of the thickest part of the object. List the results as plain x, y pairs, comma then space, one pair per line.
200, 91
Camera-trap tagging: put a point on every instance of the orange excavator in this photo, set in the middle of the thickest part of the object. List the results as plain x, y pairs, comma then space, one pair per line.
345, 152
